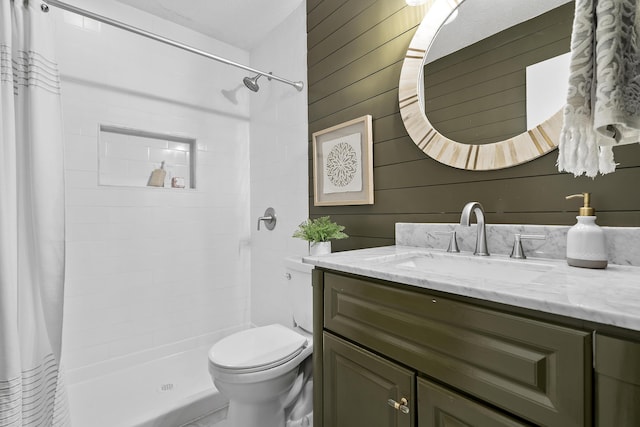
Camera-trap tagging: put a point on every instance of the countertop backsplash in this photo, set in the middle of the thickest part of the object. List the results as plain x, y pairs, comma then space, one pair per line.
623, 243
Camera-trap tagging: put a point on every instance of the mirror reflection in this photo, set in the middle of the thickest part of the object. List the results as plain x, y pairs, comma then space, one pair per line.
479, 123
491, 73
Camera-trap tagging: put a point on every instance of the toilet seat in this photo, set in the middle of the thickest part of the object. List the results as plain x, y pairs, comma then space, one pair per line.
257, 349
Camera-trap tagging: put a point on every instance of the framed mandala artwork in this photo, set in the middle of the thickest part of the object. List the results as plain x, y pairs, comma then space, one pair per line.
343, 164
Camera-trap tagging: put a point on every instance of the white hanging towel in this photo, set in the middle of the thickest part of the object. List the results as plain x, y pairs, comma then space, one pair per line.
603, 101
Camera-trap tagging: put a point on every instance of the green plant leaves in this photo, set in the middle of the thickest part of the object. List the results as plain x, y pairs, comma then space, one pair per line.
319, 230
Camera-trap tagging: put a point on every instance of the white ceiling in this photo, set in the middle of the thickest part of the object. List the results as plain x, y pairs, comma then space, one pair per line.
241, 23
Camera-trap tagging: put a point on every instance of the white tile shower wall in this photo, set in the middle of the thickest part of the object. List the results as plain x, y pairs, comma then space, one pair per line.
151, 268
279, 163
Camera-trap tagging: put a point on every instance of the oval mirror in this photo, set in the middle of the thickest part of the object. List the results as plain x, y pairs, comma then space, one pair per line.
483, 82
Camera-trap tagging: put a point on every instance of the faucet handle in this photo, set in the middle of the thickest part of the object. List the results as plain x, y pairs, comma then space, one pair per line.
517, 252
453, 241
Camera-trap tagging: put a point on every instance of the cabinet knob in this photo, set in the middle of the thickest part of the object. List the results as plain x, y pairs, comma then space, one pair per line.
402, 406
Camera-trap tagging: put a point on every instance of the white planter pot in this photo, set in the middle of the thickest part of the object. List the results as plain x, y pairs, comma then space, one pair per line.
319, 248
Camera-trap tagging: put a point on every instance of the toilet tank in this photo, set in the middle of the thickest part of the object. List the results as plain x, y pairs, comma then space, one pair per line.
298, 278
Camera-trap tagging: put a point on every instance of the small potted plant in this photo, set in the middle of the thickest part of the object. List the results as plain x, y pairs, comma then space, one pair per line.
319, 232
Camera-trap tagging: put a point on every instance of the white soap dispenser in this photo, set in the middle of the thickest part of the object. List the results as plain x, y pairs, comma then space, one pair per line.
586, 241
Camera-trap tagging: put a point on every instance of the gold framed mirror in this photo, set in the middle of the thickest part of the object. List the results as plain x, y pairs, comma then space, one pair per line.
530, 143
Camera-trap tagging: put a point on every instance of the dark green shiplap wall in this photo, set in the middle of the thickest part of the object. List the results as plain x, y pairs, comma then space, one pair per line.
355, 53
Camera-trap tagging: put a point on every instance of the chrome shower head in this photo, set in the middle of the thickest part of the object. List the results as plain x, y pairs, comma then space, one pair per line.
252, 82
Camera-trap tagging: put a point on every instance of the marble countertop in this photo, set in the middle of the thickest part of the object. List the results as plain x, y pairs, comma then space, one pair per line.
610, 296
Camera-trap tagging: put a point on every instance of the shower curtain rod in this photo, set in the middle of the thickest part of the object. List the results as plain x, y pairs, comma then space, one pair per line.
121, 25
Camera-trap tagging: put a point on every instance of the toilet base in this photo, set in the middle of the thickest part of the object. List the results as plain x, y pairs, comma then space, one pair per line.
259, 404
267, 414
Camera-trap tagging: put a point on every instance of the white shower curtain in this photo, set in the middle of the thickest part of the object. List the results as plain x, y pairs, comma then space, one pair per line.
31, 220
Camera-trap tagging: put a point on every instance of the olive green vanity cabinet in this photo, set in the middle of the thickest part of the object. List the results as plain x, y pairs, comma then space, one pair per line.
455, 363
363, 389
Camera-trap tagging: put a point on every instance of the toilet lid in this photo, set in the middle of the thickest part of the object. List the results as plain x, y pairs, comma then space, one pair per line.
265, 346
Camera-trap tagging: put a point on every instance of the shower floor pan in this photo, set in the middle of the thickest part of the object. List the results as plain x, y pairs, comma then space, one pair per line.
172, 391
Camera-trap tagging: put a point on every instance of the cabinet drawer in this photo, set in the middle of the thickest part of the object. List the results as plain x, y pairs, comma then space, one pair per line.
440, 407
359, 384
536, 370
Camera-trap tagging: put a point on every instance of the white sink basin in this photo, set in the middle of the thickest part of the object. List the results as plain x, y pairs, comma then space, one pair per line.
492, 267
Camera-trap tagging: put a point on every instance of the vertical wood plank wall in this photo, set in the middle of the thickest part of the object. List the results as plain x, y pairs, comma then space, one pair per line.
355, 53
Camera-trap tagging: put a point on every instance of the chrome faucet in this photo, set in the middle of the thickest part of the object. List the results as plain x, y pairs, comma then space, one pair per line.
481, 237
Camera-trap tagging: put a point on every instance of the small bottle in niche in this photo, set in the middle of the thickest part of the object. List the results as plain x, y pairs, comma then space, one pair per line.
177, 182
586, 245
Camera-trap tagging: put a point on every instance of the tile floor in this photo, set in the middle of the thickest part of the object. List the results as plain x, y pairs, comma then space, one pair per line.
217, 419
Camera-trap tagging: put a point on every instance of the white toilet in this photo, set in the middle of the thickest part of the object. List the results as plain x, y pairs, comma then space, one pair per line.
265, 372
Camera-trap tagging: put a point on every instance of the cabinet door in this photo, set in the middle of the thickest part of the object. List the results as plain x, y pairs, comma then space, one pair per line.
358, 386
439, 407
617, 382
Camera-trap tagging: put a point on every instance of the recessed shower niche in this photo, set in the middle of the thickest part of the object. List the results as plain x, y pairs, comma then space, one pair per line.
129, 157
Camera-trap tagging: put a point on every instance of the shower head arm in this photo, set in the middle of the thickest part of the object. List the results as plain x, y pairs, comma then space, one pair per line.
100, 18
